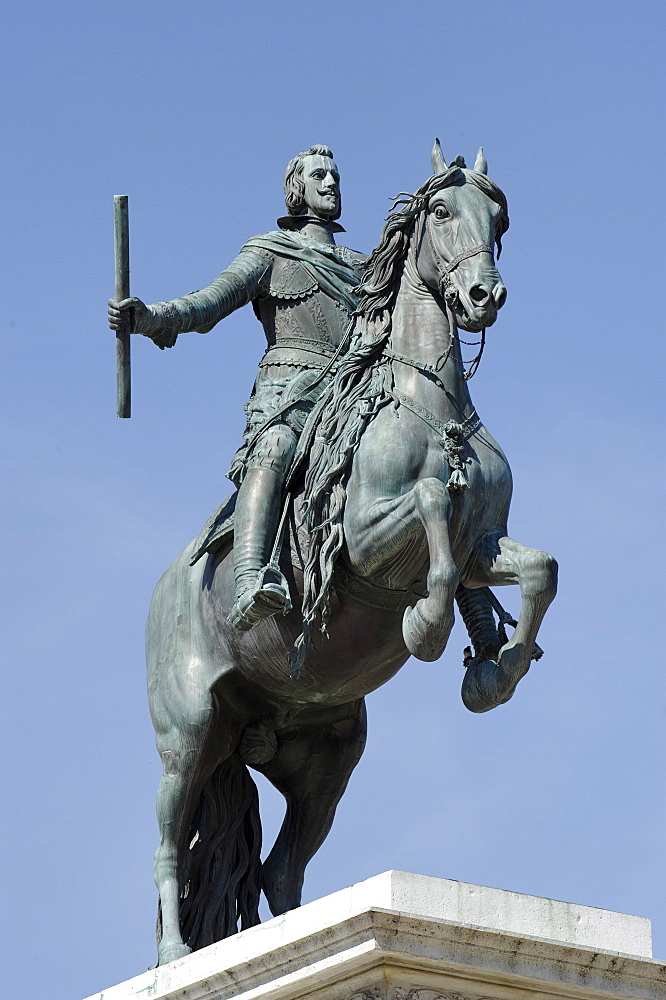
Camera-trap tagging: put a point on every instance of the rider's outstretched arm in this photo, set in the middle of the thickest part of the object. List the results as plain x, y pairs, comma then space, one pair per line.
198, 311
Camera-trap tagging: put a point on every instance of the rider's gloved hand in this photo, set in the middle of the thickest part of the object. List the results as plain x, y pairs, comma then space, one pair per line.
141, 320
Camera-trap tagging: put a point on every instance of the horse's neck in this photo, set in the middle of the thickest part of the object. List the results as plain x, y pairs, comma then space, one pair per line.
420, 330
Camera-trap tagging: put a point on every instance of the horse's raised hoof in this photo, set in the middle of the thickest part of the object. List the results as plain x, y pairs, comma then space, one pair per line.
487, 684
424, 640
172, 952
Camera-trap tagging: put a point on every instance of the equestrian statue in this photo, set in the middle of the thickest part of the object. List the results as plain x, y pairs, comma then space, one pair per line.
370, 498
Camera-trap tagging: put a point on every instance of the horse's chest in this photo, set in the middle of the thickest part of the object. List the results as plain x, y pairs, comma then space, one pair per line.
486, 464
483, 501
465, 460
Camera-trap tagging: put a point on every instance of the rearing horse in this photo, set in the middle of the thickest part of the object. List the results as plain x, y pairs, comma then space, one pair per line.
403, 506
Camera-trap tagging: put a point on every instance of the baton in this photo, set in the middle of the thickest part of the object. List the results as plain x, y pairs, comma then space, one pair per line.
121, 249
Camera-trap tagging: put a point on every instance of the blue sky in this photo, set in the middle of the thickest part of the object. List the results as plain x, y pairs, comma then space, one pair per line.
193, 110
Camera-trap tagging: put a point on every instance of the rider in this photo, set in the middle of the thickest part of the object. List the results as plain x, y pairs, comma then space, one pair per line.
302, 289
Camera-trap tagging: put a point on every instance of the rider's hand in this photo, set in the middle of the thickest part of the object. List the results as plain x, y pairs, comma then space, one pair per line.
140, 319
138, 314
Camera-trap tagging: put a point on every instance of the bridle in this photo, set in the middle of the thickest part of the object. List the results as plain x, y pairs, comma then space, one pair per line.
446, 268
449, 293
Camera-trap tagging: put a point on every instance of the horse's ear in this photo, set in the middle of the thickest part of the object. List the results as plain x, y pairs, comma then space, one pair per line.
437, 159
481, 164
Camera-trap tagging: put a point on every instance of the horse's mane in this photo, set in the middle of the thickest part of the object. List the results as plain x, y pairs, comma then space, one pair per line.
379, 284
347, 407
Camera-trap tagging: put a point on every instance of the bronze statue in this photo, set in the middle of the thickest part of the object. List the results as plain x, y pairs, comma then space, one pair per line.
397, 503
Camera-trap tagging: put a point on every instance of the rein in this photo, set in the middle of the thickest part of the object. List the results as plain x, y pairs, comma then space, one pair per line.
421, 366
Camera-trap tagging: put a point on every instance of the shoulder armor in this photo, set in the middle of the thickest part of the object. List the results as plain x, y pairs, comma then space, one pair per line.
354, 258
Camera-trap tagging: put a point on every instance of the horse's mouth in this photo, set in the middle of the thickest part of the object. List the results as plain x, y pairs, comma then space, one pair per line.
470, 323
474, 315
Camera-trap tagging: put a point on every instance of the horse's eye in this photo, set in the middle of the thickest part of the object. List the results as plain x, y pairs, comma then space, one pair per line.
441, 213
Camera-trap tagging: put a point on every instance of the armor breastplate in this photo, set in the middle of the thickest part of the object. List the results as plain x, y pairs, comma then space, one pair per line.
295, 307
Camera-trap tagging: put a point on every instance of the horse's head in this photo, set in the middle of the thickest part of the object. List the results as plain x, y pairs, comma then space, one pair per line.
463, 219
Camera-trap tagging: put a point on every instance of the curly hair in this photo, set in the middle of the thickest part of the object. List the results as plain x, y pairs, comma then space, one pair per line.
294, 188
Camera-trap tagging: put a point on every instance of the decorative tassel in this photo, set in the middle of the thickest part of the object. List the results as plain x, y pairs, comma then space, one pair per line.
454, 443
457, 481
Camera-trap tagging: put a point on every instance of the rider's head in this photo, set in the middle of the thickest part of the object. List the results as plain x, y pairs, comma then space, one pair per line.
312, 184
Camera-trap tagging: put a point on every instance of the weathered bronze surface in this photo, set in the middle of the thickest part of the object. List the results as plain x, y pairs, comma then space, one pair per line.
397, 500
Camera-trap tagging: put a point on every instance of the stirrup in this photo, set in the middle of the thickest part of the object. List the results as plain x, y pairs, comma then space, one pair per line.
262, 601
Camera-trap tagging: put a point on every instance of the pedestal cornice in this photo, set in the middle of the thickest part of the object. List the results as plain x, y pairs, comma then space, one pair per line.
343, 947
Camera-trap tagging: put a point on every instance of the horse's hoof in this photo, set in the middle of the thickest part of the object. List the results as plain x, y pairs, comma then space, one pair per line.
423, 639
172, 952
479, 686
487, 685
282, 893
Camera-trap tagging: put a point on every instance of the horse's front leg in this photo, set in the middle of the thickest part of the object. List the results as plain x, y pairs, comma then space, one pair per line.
501, 560
426, 508
427, 626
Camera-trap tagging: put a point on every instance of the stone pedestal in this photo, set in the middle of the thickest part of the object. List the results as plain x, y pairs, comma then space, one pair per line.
409, 937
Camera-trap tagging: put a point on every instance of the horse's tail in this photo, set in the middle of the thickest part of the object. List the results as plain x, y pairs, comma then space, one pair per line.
222, 872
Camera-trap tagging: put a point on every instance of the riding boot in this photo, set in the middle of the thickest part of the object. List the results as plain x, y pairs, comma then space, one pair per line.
261, 589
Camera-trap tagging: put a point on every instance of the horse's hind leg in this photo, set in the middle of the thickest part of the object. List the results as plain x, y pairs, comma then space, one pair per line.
501, 560
311, 769
181, 752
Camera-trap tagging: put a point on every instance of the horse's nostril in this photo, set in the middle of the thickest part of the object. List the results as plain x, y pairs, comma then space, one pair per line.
479, 294
499, 294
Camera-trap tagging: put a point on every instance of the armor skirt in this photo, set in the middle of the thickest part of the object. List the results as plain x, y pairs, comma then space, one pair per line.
270, 443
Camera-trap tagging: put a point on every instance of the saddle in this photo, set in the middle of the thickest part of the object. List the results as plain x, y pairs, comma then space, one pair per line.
218, 531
